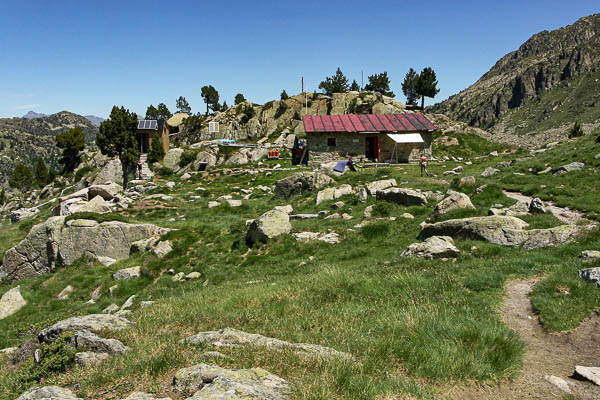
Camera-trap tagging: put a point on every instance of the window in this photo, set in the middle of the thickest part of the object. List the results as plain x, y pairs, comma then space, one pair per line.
331, 142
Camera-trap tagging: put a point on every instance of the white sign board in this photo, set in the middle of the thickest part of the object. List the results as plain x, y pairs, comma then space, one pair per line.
213, 127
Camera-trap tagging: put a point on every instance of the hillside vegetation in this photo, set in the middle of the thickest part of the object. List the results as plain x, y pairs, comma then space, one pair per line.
414, 327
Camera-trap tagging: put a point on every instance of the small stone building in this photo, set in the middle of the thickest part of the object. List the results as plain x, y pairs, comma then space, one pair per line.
382, 137
147, 128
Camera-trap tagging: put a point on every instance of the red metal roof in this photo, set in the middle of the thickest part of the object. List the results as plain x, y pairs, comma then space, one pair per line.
367, 123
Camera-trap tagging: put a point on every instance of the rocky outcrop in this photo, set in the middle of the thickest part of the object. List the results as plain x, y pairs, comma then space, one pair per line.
374, 186
211, 382
405, 197
172, 158
56, 241
432, 247
455, 201
502, 230
333, 193
22, 213
268, 226
300, 183
11, 302
563, 169
232, 337
112, 171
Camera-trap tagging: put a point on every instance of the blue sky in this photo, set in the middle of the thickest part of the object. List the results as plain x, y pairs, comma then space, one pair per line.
86, 56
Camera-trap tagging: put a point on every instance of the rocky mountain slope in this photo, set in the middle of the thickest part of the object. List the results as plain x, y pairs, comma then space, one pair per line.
548, 83
26, 139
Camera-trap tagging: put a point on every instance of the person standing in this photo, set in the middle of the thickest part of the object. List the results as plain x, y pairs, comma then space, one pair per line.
139, 169
423, 162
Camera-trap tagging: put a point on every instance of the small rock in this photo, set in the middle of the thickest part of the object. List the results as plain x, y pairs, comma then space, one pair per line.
106, 261
591, 374
234, 203
162, 248
11, 302
170, 185
589, 255
536, 206
337, 205
466, 181
590, 274
334, 216
212, 204
127, 273
346, 216
95, 295
64, 294
432, 247
144, 304
112, 289
407, 216
178, 277
560, 383
193, 275
128, 303
88, 358
494, 154
48, 393
185, 176
113, 308
489, 171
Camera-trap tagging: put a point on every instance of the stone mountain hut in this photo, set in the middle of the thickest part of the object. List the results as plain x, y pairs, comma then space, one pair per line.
383, 137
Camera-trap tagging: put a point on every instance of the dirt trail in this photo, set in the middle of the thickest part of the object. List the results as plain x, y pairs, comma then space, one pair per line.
546, 354
564, 214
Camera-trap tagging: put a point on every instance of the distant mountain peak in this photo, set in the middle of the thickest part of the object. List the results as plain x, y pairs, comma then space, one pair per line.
33, 114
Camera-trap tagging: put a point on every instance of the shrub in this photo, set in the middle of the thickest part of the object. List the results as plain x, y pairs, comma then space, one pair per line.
384, 209
157, 152
576, 131
375, 230
186, 158
249, 113
81, 172
55, 358
281, 109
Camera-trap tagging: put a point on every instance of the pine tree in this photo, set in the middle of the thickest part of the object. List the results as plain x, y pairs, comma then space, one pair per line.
157, 152
409, 87
239, 98
427, 85
284, 95
72, 142
224, 107
42, 177
182, 105
210, 95
335, 84
2, 197
354, 87
576, 131
379, 83
117, 138
22, 178
151, 112
162, 112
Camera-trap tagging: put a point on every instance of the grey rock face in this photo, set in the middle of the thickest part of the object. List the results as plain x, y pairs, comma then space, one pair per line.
112, 171
54, 240
88, 358
22, 213
590, 274
233, 337
48, 393
211, 382
172, 158
92, 322
333, 193
301, 182
11, 302
405, 197
432, 247
489, 171
502, 230
268, 226
456, 201
591, 374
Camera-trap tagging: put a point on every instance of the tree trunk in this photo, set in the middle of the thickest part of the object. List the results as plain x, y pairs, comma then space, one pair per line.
125, 174
422, 102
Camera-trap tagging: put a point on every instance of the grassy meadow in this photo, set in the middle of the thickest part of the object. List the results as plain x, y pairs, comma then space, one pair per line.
412, 325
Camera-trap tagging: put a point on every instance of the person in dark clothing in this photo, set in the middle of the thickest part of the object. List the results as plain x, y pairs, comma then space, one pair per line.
139, 169
350, 164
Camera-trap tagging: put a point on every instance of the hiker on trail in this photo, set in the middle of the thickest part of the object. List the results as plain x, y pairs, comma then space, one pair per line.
139, 169
423, 163
350, 165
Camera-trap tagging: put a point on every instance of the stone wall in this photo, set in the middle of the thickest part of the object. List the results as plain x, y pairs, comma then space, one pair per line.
353, 144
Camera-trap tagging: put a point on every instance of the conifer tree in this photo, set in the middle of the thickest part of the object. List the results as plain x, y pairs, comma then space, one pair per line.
337, 83
72, 142
380, 83
42, 177
22, 178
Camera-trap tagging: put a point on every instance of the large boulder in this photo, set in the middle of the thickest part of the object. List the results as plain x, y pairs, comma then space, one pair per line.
456, 201
11, 302
374, 186
268, 226
91, 341
54, 241
96, 205
211, 382
590, 274
111, 172
92, 323
48, 393
300, 183
502, 230
563, 169
107, 191
432, 247
333, 193
405, 197
172, 158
